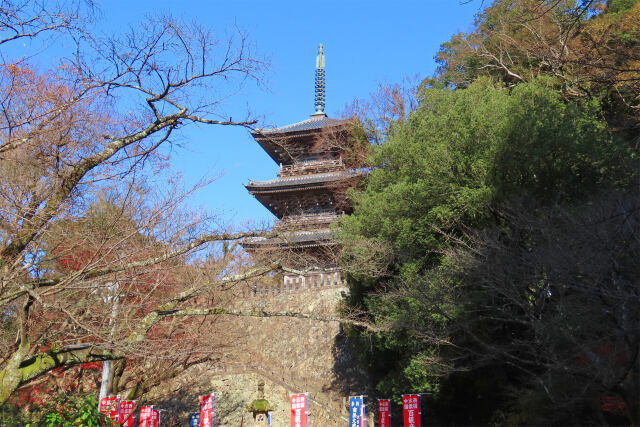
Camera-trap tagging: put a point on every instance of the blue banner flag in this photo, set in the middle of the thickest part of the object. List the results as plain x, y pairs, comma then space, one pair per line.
356, 412
194, 420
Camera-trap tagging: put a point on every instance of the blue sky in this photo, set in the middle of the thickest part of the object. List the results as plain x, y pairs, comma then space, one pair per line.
365, 43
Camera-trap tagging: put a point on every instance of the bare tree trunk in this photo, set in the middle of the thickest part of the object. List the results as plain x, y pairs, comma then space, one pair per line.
19, 369
117, 369
11, 375
104, 381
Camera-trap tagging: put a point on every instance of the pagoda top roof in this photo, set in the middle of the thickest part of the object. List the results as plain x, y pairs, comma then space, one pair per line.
299, 140
315, 121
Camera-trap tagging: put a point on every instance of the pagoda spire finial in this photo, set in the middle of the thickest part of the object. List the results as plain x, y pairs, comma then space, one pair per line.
319, 101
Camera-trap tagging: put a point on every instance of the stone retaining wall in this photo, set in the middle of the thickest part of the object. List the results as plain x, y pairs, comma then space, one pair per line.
291, 355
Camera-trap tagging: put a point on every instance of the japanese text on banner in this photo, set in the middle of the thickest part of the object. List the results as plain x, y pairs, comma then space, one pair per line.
125, 418
206, 410
357, 416
383, 412
155, 418
194, 419
299, 409
109, 407
146, 413
411, 410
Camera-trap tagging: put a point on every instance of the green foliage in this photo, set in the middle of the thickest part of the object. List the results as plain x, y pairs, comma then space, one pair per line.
617, 6
591, 47
460, 151
453, 245
442, 174
71, 411
11, 416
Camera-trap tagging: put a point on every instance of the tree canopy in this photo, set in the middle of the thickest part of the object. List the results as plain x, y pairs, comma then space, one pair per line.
469, 242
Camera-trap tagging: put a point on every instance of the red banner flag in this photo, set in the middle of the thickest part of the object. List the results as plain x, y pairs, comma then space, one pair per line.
299, 410
383, 412
146, 414
206, 411
411, 410
125, 418
155, 418
109, 407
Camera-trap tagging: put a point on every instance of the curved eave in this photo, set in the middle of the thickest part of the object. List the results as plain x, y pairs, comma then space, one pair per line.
255, 191
298, 197
314, 122
285, 245
302, 183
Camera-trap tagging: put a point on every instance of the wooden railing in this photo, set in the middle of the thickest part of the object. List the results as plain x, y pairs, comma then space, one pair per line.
310, 167
294, 222
294, 285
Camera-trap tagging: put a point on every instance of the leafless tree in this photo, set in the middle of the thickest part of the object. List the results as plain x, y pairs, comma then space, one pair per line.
23, 19
389, 104
93, 258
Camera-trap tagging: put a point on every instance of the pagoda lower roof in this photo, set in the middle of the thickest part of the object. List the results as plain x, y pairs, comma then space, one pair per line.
302, 181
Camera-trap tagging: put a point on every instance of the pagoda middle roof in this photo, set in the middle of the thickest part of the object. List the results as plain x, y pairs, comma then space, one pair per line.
302, 180
305, 238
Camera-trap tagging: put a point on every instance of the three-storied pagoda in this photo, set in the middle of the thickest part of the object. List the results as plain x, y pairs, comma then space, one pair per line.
309, 192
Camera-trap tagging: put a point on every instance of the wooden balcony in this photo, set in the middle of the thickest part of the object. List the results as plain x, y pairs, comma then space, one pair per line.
304, 222
311, 167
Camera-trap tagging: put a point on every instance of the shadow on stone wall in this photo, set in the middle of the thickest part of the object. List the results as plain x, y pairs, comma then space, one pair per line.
350, 379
